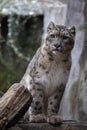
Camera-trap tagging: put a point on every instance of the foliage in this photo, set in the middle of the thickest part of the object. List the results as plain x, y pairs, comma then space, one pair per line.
21, 42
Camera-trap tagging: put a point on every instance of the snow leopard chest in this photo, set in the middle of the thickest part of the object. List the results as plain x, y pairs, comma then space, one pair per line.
52, 80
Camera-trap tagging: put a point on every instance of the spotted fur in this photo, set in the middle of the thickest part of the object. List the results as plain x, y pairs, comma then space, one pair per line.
48, 72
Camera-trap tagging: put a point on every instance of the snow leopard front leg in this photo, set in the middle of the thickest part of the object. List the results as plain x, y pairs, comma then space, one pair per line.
36, 110
53, 107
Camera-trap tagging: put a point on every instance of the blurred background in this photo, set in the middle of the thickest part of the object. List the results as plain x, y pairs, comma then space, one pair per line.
17, 48
20, 36
22, 24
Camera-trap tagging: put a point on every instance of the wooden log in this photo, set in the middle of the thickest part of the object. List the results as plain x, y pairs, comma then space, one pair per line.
13, 105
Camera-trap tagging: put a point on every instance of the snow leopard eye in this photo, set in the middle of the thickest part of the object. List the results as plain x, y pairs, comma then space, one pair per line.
65, 37
52, 36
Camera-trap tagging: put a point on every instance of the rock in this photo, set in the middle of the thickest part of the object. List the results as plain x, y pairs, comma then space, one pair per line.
68, 108
82, 90
15, 128
46, 126
52, 11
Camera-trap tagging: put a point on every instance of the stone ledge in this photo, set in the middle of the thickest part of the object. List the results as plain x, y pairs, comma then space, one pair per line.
46, 126
28, 7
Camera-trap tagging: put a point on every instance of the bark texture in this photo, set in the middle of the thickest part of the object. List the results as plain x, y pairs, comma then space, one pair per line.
13, 104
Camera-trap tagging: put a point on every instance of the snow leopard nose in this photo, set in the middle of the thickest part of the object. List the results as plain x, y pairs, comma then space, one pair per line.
56, 45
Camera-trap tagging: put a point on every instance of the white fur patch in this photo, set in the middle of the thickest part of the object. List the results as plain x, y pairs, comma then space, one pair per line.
26, 81
53, 80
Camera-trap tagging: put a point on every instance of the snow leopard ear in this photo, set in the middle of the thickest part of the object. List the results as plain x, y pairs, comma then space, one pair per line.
51, 26
72, 30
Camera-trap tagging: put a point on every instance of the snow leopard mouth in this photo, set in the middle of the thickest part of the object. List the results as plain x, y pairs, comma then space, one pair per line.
56, 50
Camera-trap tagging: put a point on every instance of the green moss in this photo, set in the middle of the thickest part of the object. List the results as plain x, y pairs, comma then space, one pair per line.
3, 81
73, 95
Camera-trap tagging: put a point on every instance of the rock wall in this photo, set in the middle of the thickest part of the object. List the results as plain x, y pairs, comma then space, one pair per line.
70, 104
82, 90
